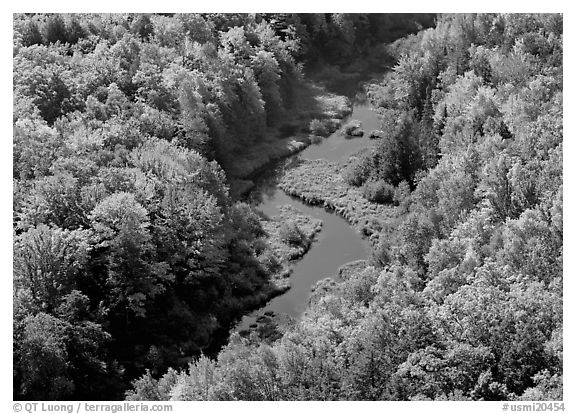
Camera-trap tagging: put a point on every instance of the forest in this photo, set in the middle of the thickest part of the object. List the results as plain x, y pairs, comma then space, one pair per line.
135, 253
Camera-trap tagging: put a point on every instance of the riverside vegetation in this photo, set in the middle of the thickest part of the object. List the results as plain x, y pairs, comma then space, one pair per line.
132, 259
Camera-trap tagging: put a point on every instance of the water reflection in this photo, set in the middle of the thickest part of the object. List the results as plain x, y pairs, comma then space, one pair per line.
266, 183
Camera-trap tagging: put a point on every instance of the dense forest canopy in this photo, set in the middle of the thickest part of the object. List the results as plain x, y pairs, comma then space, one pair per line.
129, 252
462, 298
131, 259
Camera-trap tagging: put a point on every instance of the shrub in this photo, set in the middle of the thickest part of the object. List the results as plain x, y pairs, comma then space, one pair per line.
291, 234
259, 246
270, 261
378, 192
380, 256
376, 133
318, 127
332, 124
357, 172
315, 139
402, 193
353, 128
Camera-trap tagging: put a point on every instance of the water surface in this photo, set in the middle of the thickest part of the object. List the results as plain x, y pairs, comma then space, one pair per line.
338, 243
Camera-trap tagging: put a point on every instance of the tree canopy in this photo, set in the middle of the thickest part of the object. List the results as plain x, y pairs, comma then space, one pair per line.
132, 260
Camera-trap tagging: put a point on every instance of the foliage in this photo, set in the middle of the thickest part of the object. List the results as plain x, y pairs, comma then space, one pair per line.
378, 192
462, 296
358, 171
116, 121
353, 128
318, 127
290, 233
130, 256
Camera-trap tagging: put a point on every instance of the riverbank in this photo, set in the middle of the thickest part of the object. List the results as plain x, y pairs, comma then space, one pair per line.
290, 235
339, 243
315, 104
320, 182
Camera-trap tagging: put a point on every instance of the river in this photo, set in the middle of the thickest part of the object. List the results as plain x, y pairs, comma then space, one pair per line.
338, 243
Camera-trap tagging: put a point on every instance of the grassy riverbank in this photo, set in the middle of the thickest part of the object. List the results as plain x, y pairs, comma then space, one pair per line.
320, 182
290, 236
317, 107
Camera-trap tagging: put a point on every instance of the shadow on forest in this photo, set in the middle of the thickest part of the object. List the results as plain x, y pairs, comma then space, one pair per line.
266, 180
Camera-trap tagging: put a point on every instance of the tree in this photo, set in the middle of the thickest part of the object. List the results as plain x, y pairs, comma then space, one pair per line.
43, 74
31, 34
134, 277
36, 146
48, 262
435, 373
66, 349
532, 248
74, 29
142, 26
54, 200
55, 29
268, 74
43, 354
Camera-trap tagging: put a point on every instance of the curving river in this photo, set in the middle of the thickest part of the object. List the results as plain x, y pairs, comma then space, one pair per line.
338, 243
